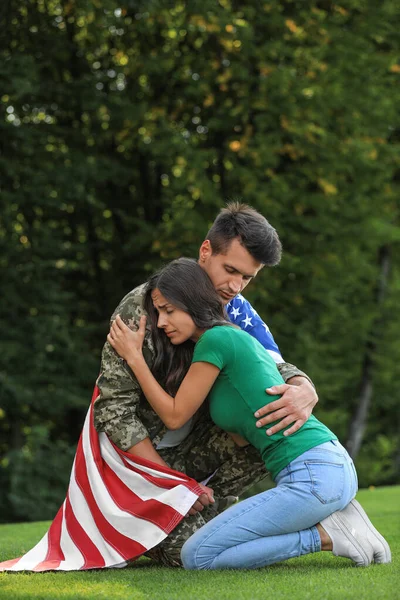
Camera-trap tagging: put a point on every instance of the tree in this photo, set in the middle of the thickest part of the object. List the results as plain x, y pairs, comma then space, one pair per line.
125, 127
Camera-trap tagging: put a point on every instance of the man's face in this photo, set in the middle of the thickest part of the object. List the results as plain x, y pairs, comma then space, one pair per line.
229, 272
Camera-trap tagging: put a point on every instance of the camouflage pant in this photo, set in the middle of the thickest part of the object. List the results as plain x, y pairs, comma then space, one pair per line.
206, 449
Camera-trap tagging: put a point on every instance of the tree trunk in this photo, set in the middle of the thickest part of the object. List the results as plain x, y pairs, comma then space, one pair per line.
360, 415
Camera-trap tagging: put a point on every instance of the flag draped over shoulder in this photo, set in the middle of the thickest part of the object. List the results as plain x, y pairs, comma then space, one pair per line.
117, 507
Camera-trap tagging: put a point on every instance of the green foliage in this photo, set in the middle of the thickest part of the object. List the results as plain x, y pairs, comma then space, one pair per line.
125, 127
40, 470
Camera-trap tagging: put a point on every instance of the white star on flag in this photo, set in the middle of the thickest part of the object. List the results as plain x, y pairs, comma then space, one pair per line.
247, 321
235, 313
266, 327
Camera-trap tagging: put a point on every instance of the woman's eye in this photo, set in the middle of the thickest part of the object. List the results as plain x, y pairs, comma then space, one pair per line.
169, 312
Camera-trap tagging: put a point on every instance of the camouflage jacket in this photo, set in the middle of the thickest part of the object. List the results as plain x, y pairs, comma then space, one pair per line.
121, 410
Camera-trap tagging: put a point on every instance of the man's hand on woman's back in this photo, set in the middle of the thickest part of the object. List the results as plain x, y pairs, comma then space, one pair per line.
293, 408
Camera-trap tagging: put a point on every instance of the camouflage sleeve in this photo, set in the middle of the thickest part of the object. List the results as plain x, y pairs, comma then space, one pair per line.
287, 371
115, 410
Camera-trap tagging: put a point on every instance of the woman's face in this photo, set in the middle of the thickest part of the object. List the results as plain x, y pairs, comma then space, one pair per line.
176, 323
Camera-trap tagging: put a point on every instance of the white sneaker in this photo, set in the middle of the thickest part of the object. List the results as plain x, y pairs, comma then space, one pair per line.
347, 541
357, 516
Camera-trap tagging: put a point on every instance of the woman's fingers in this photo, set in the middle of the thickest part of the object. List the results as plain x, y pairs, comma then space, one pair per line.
142, 325
119, 323
114, 331
123, 327
120, 334
118, 327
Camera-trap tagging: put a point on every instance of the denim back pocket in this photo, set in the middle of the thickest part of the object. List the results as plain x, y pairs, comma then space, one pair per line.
327, 480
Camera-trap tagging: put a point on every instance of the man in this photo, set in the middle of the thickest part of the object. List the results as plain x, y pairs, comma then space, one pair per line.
238, 245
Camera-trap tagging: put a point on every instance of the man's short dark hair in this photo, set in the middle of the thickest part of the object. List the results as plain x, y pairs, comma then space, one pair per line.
240, 221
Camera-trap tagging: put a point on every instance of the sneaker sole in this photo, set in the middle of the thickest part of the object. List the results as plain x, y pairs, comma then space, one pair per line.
361, 512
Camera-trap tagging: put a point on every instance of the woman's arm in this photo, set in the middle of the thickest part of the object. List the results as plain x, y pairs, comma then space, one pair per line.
174, 412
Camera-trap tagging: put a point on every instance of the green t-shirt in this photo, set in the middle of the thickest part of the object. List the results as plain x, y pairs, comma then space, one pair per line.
246, 370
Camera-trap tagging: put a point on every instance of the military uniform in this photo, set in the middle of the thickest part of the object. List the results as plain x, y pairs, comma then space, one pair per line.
123, 413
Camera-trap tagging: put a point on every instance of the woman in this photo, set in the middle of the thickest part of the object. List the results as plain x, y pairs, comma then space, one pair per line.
314, 474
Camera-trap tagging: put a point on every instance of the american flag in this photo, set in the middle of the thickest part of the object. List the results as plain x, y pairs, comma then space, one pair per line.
241, 313
117, 507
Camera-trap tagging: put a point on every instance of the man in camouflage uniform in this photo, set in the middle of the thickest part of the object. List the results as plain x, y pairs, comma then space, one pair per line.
199, 449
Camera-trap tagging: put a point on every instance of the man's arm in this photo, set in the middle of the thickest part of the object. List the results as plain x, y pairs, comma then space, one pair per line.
145, 449
298, 393
115, 410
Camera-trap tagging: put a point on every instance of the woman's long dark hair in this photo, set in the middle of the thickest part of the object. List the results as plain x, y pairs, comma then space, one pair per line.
188, 287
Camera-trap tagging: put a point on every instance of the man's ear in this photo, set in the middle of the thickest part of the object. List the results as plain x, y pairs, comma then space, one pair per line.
205, 251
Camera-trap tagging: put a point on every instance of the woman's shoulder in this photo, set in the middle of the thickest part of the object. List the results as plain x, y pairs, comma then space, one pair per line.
221, 330
232, 337
221, 333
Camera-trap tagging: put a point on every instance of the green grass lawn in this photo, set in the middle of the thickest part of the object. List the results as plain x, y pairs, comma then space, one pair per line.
316, 577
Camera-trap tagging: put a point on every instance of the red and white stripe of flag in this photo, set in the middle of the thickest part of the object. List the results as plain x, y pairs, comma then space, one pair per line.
117, 507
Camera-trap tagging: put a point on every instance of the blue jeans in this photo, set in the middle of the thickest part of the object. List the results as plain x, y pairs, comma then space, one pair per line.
280, 523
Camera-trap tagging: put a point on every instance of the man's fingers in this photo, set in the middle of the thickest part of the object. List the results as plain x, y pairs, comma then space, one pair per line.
281, 425
278, 389
198, 506
295, 427
277, 414
271, 407
211, 498
204, 499
200, 503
